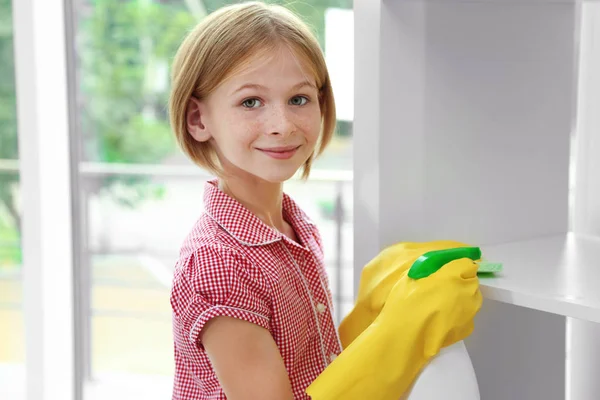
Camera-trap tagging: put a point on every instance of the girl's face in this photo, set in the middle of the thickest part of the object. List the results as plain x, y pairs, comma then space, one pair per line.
264, 120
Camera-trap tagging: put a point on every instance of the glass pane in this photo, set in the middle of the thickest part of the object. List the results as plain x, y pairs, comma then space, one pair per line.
124, 49
131, 252
139, 199
12, 343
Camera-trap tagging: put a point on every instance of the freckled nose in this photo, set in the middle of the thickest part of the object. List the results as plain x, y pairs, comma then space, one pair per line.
280, 122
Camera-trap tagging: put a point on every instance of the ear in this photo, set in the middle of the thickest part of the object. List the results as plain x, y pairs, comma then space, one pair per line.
194, 120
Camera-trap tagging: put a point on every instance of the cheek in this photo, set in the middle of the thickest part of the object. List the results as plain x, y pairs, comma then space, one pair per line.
241, 130
249, 131
311, 125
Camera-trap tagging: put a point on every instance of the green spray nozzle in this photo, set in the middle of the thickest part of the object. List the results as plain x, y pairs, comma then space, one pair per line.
432, 261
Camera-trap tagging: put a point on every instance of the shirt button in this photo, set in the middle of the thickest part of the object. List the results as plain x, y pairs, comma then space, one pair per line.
332, 357
321, 308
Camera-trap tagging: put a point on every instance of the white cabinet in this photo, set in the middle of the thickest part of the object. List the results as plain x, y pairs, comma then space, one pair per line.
464, 114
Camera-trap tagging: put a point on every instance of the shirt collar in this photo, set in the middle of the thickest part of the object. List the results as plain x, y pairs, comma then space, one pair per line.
244, 226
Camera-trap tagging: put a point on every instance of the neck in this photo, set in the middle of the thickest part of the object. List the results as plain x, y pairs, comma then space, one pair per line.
263, 199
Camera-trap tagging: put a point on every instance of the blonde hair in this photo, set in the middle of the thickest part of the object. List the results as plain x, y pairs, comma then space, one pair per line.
222, 42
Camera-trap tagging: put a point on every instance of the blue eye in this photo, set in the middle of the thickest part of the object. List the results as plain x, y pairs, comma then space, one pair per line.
298, 100
251, 103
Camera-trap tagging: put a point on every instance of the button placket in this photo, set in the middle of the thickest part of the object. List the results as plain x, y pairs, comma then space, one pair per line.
309, 291
321, 308
321, 302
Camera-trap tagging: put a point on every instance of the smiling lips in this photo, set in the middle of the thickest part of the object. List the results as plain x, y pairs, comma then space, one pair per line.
280, 153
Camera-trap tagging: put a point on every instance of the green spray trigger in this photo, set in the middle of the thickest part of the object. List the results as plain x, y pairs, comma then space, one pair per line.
432, 261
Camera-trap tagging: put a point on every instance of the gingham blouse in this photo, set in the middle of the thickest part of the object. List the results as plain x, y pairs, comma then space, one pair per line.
232, 264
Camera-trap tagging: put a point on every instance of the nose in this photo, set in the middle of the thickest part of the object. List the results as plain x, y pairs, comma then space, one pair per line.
280, 121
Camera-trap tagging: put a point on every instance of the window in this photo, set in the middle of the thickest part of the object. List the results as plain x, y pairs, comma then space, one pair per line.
139, 196
12, 345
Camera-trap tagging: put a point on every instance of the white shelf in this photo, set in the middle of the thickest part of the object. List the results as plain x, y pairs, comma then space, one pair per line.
557, 274
464, 112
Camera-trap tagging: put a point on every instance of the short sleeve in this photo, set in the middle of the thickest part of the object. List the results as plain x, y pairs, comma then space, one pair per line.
220, 282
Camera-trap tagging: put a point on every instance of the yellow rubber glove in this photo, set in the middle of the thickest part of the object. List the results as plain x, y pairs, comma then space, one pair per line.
411, 321
377, 279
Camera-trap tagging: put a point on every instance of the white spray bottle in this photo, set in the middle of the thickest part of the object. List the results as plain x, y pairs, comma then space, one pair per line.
450, 374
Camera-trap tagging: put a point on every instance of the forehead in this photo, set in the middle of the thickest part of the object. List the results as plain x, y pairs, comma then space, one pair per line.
277, 65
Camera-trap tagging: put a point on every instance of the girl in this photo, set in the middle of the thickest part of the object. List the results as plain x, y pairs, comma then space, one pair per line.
251, 102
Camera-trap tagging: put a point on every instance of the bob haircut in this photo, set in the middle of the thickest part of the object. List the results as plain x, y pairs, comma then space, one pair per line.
222, 44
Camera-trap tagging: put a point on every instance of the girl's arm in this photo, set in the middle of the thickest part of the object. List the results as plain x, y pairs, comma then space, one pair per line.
246, 360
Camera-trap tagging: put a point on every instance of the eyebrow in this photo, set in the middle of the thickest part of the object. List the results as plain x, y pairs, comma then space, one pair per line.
261, 87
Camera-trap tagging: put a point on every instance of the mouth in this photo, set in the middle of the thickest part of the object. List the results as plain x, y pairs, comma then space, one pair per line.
280, 153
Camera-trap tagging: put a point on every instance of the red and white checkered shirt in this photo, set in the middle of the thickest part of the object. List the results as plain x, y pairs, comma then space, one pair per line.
232, 264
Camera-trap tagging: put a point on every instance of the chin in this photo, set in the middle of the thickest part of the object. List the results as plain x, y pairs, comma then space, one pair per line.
278, 177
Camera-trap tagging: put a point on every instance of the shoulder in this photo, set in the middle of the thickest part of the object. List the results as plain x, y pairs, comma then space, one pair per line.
209, 249
208, 256
205, 236
207, 253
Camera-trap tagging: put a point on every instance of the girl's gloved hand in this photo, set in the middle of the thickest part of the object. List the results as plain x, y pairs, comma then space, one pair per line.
399, 324
377, 279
